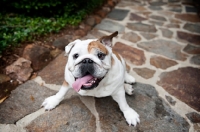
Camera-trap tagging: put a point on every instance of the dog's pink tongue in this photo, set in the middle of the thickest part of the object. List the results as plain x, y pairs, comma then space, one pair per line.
80, 81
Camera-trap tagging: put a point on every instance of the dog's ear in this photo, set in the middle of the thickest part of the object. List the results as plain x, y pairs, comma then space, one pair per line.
107, 40
69, 47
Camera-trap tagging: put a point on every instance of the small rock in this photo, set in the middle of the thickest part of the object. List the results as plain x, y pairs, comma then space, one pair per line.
90, 21
188, 37
170, 100
38, 55
159, 18
162, 63
80, 32
188, 17
97, 19
20, 70
142, 27
166, 33
195, 60
4, 78
175, 8
101, 13
130, 36
85, 27
193, 117
54, 53
144, 72
135, 17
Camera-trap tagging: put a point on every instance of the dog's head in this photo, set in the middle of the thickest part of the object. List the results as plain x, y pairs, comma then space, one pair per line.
89, 61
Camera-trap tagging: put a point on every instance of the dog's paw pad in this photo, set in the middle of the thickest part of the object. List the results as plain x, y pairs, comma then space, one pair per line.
50, 103
132, 117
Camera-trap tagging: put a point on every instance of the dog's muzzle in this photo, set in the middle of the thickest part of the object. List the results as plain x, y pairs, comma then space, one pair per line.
87, 80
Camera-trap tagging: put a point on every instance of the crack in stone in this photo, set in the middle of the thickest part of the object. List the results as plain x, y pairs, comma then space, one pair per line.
89, 102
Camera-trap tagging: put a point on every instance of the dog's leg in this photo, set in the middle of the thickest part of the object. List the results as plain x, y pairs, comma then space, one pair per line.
130, 115
129, 81
52, 101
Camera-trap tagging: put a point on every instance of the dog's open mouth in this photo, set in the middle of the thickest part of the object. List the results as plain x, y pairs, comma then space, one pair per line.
86, 82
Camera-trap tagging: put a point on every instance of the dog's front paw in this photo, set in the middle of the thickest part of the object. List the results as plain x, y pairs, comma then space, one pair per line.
132, 117
50, 102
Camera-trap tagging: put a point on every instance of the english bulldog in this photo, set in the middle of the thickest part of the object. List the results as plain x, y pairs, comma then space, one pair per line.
94, 69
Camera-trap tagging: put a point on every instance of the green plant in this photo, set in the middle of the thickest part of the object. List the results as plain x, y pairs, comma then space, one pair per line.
23, 20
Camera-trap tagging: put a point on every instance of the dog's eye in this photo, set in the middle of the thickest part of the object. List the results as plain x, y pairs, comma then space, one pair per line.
101, 55
75, 56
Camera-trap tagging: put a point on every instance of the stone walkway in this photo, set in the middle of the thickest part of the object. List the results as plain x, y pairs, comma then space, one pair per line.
160, 41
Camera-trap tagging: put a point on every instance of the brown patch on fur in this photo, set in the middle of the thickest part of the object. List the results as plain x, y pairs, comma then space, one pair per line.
97, 45
65, 84
117, 55
127, 67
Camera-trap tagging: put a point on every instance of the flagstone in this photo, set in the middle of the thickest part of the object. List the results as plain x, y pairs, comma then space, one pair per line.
24, 100
188, 17
118, 14
131, 54
162, 63
195, 60
144, 72
70, 116
141, 27
167, 48
188, 37
184, 84
110, 26
135, 17
195, 28
132, 37
154, 113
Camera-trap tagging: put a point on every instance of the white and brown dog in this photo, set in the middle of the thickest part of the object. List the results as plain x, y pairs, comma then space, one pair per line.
94, 69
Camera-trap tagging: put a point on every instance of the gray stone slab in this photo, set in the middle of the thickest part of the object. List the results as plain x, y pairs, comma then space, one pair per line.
155, 7
70, 116
159, 18
166, 33
155, 113
141, 27
195, 60
24, 100
190, 9
54, 72
118, 14
167, 48
192, 27
157, 3
110, 26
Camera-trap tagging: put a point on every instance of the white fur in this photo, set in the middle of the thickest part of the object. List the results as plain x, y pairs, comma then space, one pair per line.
111, 85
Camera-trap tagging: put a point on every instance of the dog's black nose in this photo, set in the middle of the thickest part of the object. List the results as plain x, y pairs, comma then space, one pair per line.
87, 61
